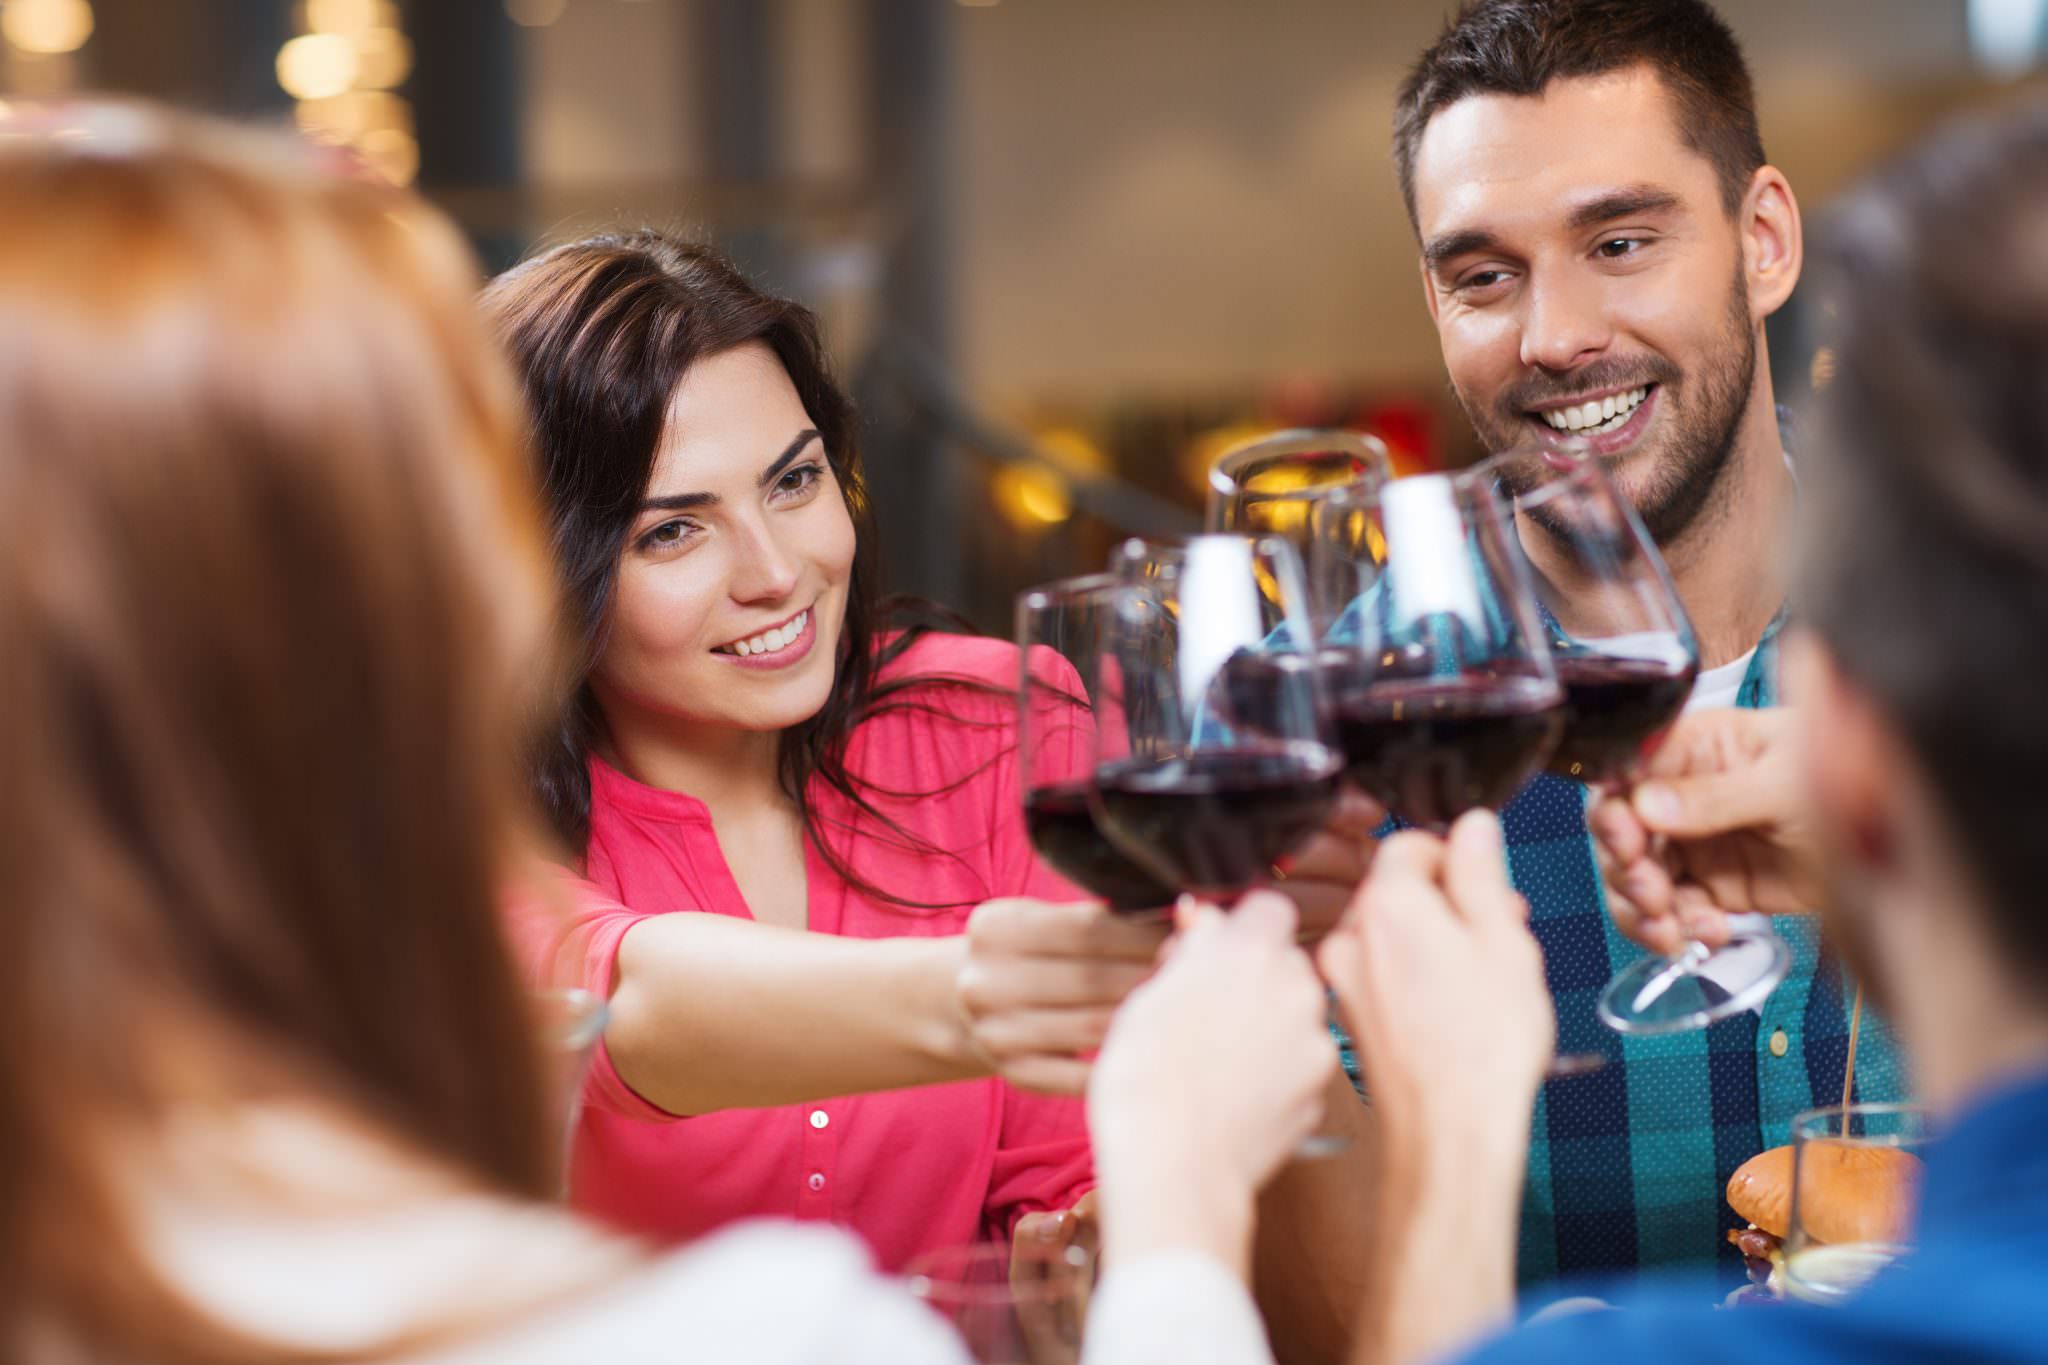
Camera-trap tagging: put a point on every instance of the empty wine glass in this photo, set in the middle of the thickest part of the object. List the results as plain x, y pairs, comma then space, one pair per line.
1010, 1305
1062, 696
1222, 765
1270, 486
571, 1021
1445, 695
1856, 1173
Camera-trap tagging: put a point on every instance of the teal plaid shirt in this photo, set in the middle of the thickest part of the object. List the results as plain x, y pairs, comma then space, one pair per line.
1629, 1164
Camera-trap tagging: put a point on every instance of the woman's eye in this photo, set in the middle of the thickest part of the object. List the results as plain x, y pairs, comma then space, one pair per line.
666, 536
798, 479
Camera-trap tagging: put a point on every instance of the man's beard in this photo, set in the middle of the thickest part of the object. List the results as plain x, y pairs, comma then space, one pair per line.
1682, 485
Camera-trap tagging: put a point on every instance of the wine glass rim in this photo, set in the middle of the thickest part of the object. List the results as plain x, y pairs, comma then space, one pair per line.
577, 1016
1225, 474
1808, 1125
1176, 547
1574, 474
927, 1280
1077, 586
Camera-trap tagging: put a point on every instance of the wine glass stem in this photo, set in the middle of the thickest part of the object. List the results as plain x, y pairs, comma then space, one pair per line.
1683, 965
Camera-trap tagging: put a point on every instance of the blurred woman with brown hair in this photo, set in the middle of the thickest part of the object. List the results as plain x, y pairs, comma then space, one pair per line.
271, 595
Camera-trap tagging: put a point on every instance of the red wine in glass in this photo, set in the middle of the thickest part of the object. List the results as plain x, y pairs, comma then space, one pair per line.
1614, 711
1068, 711
1063, 831
1446, 700
1217, 819
1433, 749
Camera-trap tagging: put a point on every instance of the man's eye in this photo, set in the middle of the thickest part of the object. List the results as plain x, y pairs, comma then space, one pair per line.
1617, 247
1483, 279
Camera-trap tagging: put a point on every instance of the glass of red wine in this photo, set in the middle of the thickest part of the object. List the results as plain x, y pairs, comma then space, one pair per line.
1626, 656
1440, 676
1220, 764
1270, 486
1062, 697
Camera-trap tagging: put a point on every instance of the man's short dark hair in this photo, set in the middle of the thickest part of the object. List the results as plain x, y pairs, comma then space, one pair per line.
1518, 47
1925, 492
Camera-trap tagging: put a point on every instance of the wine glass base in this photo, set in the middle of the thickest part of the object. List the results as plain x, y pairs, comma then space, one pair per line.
1656, 995
1317, 1146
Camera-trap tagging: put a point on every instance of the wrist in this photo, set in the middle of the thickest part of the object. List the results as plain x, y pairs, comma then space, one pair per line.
1483, 1160
1161, 1202
946, 1025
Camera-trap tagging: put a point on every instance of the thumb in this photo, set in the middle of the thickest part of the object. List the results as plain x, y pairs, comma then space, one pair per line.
1706, 805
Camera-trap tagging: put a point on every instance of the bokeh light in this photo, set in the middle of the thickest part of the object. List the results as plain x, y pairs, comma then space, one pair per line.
317, 66
46, 27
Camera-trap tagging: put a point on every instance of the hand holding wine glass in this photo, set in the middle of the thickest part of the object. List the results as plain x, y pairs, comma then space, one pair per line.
1441, 984
1443, 988
1626, 655
1713, 829
1324, 874
1213, 1073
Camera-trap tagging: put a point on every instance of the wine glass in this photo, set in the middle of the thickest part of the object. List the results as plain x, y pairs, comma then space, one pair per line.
1270, 486
1061, 694
1626, 656
1445, 695
1856, 1173
1623, 646
1010, 1305
571, 1021
1222, 763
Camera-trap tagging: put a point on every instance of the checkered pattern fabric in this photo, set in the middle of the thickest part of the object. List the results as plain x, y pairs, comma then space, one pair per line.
1628, 1164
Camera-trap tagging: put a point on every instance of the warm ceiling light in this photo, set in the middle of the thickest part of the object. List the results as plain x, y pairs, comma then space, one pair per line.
345, 16
317, 66
383, 58
535, 13
46, 27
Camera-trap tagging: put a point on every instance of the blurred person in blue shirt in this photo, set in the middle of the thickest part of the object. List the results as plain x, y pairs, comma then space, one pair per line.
1904, 800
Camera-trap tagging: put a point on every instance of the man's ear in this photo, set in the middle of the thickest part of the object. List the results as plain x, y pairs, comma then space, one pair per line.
1773, 242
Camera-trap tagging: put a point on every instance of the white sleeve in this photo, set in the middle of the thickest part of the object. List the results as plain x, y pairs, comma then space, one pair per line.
763, 1293
1174, 1308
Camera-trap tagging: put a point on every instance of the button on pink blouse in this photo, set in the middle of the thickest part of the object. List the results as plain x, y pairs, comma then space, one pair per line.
908, 1170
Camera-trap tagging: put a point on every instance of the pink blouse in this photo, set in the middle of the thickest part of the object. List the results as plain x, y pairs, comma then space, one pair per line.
908, 1170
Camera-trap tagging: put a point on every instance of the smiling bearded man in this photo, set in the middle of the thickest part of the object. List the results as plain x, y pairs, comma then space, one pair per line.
1601, 242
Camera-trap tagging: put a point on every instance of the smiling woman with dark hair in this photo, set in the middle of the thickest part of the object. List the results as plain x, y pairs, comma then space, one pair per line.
755, 735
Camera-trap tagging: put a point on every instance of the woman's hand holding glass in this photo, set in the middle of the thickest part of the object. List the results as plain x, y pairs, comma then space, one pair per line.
1040, 981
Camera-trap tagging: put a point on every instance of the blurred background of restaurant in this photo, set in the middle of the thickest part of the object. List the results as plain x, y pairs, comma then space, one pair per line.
1065, 250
